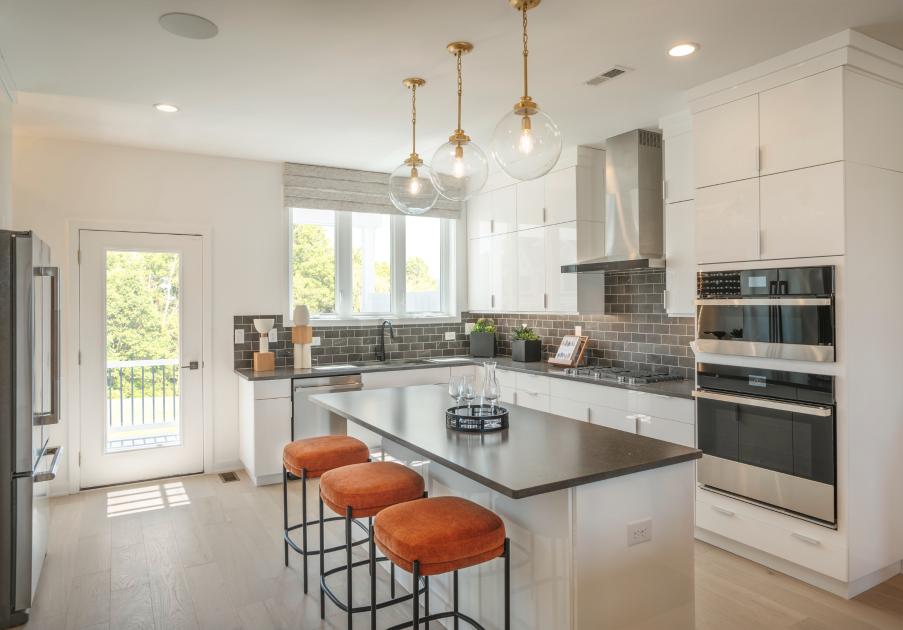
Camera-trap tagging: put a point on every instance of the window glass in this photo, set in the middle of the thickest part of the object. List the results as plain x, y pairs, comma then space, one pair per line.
423, 254
313, 259
371, 269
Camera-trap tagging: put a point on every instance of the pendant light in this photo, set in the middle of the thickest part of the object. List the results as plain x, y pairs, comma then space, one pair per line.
411, 187
526, 142
459, 166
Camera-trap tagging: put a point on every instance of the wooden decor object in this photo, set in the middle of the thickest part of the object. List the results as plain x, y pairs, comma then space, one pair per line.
302, 334
570, 352
264, 361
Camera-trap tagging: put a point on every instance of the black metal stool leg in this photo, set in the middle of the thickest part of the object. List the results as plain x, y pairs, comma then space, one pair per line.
348, 549
372, 579
426, 598
507, 584
392, 576
322, 567
304, 520
285, 512
455, 598
416, 573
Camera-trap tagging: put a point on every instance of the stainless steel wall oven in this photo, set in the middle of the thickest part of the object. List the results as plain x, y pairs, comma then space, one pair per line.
768, 436
775, 313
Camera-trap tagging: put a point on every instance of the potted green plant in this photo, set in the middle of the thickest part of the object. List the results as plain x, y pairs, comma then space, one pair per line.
526, 345
482, 338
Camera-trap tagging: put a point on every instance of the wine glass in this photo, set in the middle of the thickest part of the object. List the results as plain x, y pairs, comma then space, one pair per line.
469, 390
490, 386
456, 388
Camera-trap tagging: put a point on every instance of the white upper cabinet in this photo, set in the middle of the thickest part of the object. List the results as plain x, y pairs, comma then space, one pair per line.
531, 270
479, 274
802, 212
727, 222
560, 249
680, 183
801, 123
531, 201
726, 142
492, 212
680, 257
503, 271
561, 195
479, 215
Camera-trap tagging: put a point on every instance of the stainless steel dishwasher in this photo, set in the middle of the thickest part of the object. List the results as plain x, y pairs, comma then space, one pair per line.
311, 420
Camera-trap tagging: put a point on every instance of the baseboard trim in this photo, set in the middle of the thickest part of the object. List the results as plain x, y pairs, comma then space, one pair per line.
231, 465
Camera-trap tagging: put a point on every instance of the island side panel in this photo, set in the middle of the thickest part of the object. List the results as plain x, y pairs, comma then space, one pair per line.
541, 533
645, 586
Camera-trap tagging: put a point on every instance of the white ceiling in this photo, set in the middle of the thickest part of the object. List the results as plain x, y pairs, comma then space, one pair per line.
319, 81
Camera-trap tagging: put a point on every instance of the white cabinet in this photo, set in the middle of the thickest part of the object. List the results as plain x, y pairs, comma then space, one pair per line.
531, 201
264, 427
403, 378
569, 408
680, 254
727, 222
561, 195
493, 212
479, 215
802, 212
479, 276
726, 142
801, 123
680, 182
612, 418
561, 288
503, 271
531, 269
666, 429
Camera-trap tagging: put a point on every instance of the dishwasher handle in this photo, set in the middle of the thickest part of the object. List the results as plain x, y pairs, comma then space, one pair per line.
327, 389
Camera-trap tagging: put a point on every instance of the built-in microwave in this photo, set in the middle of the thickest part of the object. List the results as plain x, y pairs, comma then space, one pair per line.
768, 436
775, 313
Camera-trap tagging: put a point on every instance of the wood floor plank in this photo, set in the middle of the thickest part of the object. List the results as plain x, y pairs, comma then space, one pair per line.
210, 597
171, 600
131, 608
129, 567
90, 601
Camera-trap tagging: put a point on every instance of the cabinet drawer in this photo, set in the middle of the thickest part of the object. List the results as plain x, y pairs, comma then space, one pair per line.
679, 409
612, 418
590, 393
569, 408
532, 400
811, 550
507, 379
532, 383
281, 388
667, 430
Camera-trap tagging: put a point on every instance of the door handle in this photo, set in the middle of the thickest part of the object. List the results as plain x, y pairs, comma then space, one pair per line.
192, 365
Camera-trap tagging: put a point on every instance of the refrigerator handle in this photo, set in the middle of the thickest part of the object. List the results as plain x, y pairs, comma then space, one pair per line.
53, 417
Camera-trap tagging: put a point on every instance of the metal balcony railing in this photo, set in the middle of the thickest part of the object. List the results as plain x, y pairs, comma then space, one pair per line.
142, 393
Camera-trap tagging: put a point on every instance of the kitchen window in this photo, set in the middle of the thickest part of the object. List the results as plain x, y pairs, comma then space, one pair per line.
349, 266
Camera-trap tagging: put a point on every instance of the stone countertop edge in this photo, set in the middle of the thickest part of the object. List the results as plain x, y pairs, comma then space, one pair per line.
680, 455
676, 389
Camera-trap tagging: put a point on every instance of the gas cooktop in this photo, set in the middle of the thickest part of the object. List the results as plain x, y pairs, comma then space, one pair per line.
621, 375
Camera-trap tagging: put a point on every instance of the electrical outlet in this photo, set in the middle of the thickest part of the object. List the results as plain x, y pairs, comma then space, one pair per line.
239, 335
314, 341
468, 328
450, 336
639, 532
273, 335
578, 330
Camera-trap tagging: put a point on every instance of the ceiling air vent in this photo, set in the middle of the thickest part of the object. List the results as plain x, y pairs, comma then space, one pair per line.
607, 75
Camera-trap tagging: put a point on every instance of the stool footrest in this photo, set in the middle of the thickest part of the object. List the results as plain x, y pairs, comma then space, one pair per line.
366, 607
436, 617
314, 552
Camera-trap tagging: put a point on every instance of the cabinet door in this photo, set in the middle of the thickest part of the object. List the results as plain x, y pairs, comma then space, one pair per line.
479, 273
569, 408
680, 254
727, 222
680, 184
531, 201
479, 215
801, 123
667, 430
803, 212
532, 400
612, 418
561, 195
503, 271
726, 142
560, 249
531, 270
504, 210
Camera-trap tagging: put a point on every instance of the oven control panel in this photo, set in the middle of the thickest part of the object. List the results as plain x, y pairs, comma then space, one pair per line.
718, 284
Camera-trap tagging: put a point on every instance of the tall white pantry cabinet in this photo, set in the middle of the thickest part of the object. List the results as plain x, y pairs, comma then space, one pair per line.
799, 161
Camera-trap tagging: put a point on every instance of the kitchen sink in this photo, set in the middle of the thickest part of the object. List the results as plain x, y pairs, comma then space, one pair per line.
392, 362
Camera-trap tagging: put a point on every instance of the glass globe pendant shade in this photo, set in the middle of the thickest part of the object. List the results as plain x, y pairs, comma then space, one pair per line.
459, 170
411, 189
526, 147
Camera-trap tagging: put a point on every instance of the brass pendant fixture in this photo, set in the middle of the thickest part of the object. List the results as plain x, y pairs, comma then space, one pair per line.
526, 142
460, 168
411, 187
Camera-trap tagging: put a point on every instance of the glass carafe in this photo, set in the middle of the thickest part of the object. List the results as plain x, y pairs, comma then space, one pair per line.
491, 389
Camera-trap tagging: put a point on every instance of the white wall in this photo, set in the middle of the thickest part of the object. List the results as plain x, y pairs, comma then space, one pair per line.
5, 162
60, 181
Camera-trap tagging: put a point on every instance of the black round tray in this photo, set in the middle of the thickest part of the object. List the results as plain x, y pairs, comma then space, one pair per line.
477, 418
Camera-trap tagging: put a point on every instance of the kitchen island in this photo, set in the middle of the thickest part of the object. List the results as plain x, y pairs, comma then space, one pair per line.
576, 500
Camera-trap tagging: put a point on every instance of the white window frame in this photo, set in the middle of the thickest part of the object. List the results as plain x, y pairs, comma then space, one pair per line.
343, 237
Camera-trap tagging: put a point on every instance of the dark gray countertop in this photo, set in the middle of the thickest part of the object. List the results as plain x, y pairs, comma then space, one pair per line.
539, 453
677, 389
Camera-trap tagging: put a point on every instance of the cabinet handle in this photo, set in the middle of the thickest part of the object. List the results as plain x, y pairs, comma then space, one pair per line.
492, 226
665, 189
724, 511
545, 300
543, 215
589, 414
809, 540
665, 298
492, 301
759, 159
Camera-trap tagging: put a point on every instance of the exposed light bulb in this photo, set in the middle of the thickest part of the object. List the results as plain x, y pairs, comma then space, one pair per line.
458, 168
525, 144
414, 187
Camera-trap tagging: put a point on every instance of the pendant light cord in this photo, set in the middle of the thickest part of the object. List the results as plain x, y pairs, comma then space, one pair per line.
460, 84
524, 11
414, 119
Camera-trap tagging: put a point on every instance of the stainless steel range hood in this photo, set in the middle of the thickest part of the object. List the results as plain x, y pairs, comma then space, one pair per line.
633, 205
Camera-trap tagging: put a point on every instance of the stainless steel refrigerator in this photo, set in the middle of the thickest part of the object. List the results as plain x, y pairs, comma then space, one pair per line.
29, 405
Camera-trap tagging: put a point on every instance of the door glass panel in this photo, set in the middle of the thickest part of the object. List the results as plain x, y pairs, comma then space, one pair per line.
813, 448
142, 306
718, 430
766, 438
806, 325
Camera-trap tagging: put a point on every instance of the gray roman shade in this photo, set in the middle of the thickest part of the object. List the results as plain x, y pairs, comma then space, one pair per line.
328, 188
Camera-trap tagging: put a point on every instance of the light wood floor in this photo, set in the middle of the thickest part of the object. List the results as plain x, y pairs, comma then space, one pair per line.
197, 553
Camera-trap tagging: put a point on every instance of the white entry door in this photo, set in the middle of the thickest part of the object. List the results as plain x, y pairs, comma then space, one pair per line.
141, 373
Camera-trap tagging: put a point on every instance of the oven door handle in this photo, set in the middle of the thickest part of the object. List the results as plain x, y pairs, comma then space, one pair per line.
764, 301
809, 410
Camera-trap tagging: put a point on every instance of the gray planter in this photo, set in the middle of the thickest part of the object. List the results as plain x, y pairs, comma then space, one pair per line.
482, 344
526, 350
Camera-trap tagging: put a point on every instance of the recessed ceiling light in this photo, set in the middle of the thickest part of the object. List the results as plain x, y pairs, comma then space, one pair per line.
682, 50
166, 107
188, 25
